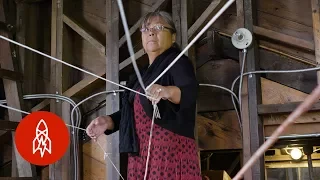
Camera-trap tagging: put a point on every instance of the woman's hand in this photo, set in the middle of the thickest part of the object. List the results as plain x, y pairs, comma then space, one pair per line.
158, 92
98, 126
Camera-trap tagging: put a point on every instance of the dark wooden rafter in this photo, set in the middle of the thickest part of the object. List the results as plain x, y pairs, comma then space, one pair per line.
12, 75
254, 92
9, 61
84, 33
112, 73
283, 38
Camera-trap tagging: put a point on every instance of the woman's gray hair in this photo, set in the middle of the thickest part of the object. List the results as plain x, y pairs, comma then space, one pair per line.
163, 15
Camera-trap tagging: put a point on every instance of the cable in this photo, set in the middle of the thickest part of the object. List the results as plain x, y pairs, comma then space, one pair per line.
233, 95
56, 96
86, 99
149, 144
129, 43
241, 78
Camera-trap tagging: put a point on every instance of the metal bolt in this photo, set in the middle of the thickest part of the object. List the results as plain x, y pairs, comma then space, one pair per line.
57, 100
14, 54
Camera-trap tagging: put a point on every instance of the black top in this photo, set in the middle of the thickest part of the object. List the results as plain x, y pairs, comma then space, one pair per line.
178, 118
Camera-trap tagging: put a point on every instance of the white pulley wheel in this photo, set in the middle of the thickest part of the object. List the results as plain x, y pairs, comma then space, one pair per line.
241, 38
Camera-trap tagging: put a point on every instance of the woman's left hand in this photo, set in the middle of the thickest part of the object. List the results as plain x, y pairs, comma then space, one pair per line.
158, 92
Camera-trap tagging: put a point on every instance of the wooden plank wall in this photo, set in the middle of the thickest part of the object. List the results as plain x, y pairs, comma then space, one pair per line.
287, 17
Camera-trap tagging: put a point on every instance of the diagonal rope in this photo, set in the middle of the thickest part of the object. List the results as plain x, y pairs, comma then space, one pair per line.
70, 65
129, 43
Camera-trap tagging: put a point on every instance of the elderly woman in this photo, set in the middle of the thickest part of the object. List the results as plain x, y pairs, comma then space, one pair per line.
173, 151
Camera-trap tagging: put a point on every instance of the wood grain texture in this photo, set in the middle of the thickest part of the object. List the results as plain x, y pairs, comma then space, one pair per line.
288, 9
220, 72
315, 4
214, 134
12, 90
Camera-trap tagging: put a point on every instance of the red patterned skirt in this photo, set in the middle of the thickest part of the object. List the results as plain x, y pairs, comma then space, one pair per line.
171, 156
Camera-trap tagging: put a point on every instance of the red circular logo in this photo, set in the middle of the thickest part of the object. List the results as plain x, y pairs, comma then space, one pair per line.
42, 138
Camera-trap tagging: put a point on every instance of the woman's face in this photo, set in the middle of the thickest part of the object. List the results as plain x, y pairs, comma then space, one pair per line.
158, 37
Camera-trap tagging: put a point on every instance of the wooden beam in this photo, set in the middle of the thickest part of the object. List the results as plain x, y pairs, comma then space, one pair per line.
8, 125
87, 82
177, 16
205, 16
84, 33
6, 74
264, 109
180, 18
283, 38
214, 134
315, 5
12, 91
61, 169
112, 73
254, 94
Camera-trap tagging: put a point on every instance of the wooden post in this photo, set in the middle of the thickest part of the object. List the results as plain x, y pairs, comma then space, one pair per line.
315, 5
112, 73
246, 151
252, 124
182, 13
61, 170
181, 18
9, 61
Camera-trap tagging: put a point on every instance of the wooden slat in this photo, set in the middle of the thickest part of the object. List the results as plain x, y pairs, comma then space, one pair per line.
283, 108
87, 82
8, 125
112, 73
205, 16
294, 129
290, 40
7, 74
84, 33
254, 92
311, 117
136, 26
315, 5
13, 92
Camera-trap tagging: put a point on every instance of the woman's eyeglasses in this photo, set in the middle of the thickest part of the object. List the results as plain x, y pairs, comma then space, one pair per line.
156, 28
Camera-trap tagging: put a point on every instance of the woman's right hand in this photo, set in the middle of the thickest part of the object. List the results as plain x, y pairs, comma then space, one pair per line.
98, 126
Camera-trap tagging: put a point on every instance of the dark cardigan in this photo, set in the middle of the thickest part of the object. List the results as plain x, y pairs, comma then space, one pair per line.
178, 118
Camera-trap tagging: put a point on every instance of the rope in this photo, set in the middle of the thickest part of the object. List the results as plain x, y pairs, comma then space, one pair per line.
72, 66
